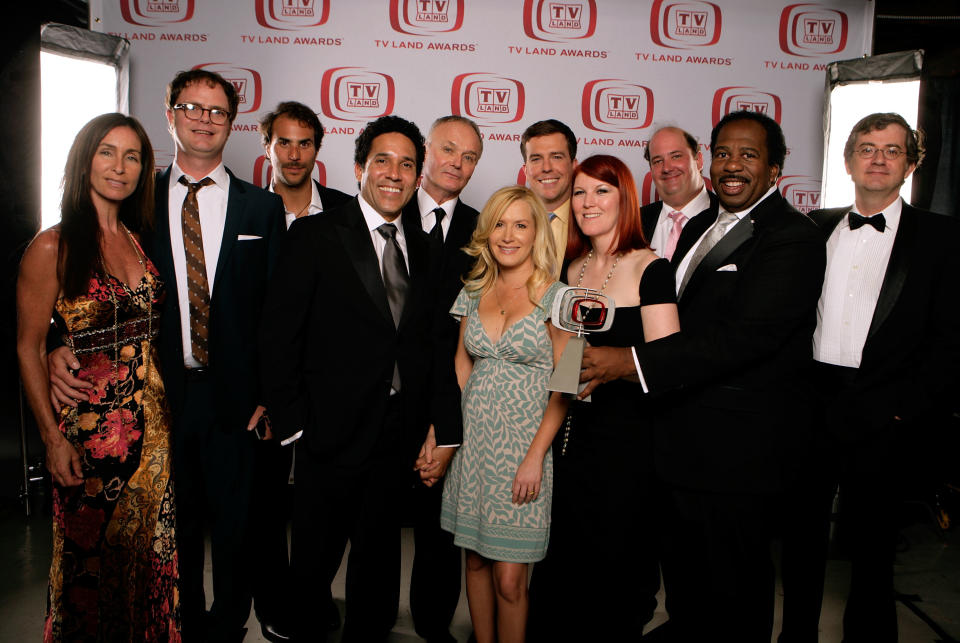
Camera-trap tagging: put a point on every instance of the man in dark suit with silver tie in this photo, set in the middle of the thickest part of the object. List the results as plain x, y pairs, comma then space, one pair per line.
887, 349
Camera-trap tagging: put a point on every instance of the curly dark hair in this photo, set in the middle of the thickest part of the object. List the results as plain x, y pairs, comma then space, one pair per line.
298, 112
386, 125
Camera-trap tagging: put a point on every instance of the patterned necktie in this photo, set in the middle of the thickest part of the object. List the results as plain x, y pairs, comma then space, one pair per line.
198, 291
436, 232
858, 220
724, 221
395, 280
678, 219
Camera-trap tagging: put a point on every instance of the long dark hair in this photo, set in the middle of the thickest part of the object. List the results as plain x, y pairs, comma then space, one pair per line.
79, 254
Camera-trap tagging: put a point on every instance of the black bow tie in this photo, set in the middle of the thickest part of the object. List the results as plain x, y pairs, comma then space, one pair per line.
858, 220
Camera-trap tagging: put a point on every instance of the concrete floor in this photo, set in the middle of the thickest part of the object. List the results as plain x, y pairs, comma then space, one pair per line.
929, 570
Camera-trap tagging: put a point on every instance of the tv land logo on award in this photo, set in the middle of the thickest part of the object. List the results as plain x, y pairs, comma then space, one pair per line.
810, 29
356, 94
156, 13
289, 15
487, 98
616, 105
246, 81
681, 25
559, 21
426, 17
801, 191
733, 99
263, 172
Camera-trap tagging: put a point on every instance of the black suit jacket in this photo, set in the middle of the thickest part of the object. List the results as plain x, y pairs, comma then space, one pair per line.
239, 286
696, 226
736, 368
329, 343
910, 360
331, 198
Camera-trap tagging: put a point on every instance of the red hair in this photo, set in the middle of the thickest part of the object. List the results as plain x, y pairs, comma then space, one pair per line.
615, 172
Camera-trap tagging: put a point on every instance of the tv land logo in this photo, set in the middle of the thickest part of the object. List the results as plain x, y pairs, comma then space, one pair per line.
289, 15
810, 29
426, 17
263, 172
680, 25
246, 81
800, 191
356, 94
559, 21
156, 13
487, 98
732, 99
648, 189
616, 105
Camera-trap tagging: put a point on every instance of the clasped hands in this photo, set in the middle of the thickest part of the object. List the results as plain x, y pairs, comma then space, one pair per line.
433, 461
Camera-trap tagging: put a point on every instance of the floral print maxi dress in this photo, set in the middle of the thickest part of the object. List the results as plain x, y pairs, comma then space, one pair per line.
114, 570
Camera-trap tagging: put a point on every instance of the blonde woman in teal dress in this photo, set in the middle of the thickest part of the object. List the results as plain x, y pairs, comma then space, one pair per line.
496, 499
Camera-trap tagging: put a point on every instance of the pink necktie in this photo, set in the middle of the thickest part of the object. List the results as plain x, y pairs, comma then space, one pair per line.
678, 219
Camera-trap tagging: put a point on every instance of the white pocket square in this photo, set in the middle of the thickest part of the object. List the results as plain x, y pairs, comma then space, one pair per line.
730, 267
248, 237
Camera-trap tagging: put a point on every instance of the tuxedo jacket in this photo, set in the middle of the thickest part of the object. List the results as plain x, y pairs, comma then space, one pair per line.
736, 368
696, 226
329, 343
239, 286
909, 364
331, 198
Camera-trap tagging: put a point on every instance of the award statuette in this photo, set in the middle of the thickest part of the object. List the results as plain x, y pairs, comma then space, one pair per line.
577, 310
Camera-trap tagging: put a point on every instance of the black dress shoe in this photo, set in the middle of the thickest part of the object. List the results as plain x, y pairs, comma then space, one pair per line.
275, 632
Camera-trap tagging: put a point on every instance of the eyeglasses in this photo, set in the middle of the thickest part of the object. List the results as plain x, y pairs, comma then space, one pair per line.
870, 151
195, 113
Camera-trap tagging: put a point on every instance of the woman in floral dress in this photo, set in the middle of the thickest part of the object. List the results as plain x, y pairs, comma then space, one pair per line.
114, 570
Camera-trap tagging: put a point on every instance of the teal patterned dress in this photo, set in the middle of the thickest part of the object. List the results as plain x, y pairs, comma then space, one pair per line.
503, 404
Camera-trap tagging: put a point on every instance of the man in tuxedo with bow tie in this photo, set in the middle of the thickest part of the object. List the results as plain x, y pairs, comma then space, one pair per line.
748, 289
675, 165
886, 346
348, 365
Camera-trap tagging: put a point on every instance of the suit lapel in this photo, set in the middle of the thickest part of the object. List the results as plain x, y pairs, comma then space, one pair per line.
236, 204
732, 240
160, 250
897, 269
359, 247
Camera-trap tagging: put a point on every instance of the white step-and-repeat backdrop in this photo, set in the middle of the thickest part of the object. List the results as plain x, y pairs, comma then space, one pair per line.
613, 70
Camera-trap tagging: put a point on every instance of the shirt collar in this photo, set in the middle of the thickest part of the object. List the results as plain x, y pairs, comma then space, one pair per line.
695, 206
563, 211
747, 211
373, 218
427, 205
891, 216
316, 205
219, 175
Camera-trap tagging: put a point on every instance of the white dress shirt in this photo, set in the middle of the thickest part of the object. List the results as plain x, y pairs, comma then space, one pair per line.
212, 201
375, 220
661, 232
315, 207
856, 264
427, 216
685, 263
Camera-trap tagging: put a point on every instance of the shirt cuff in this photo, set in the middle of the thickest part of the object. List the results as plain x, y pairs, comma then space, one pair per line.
448, 446
636, 363
296, 436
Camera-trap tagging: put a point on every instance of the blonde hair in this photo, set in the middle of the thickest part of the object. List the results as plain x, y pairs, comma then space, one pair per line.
485, 270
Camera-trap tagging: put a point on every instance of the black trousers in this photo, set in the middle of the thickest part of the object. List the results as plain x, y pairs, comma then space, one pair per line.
360, 504
270, 512
435, 580
717, 566
213, 467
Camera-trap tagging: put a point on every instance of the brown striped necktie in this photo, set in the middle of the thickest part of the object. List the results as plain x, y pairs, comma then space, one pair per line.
198, 291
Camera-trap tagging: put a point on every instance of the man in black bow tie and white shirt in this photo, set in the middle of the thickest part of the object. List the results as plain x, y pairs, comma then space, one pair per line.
886, 347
